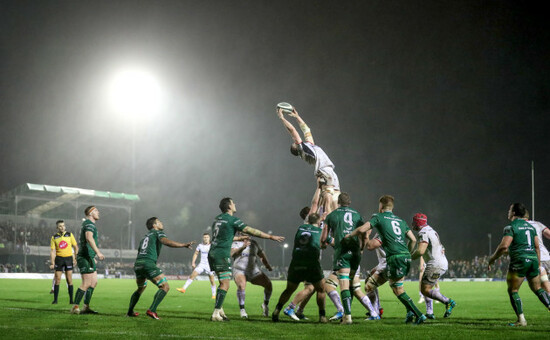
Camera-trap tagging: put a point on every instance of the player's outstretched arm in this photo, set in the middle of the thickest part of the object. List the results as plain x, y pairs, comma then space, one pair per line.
263, 257
173, 244
290, 128
361, 230
258, 233
303, 126
501, 249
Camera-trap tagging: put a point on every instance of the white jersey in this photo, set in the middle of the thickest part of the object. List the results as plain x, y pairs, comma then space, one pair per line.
246, 261
313, 154
203, 249
544, 255
435, 253
380, 253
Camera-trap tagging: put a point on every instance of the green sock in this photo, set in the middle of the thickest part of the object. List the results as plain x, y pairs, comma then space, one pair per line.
158, 299
346, 301
515, 300
88, 297
409, 304
220, 296
78, 296
133, 301
543, 297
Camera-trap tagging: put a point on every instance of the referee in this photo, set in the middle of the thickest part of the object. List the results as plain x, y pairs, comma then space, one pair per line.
63, 258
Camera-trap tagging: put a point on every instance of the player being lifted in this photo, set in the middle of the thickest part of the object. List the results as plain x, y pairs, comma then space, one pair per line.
542, 232
245, 269
520, 240
203, 267
393, 232
314, 155
146, 268
223, 230
347, 252
305, 266
433, 253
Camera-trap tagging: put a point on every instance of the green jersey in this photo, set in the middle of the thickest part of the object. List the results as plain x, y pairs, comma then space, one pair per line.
307, 245
150, 246
392, 231
341, 222
84, 248
523, 243
223, 230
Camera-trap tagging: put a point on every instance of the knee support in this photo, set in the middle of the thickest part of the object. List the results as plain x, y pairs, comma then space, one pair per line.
161, 282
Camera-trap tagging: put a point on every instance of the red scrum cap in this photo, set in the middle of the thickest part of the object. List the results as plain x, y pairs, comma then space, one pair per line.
420, 220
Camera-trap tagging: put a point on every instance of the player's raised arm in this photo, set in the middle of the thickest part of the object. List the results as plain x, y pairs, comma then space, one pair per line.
290, 128
303, 126
258, 233
173, 244
412, 240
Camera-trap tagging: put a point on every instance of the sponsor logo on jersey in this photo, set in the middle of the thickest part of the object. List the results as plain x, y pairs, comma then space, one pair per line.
63, 244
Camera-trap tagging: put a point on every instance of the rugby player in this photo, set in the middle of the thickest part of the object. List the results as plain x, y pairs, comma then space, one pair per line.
433, 253
377, 275
223, 229
542, 232
146, 268
245, 269
63, 250
305, 266
203, 266
86, 261
393, 232
314, 155
347, 252
520, 240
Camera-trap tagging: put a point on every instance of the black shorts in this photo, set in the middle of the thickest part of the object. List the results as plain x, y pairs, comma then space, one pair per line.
63, 264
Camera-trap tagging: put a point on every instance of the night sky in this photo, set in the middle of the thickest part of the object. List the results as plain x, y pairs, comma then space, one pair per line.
443, 104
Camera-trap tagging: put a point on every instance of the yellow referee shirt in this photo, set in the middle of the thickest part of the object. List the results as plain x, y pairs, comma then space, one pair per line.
63, 244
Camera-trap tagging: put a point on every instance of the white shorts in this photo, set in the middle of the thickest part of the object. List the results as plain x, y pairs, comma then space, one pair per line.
546, 266
204, 268
250, 274
381, 270
432, 274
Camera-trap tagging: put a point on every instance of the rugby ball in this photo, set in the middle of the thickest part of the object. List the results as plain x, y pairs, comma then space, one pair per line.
286, 107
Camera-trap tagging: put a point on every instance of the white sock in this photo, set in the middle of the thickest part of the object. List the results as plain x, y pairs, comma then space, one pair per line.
241, 296
213, 290
429, 305
187, 283
436, 295
366, 302
335, 298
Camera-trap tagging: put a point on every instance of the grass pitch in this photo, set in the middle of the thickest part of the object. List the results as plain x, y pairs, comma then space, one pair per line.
483, 310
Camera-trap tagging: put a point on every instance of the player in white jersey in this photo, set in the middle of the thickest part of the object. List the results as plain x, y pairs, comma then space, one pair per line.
542, 232
433, 252
314, 155
203, 267
377, 275
246, 269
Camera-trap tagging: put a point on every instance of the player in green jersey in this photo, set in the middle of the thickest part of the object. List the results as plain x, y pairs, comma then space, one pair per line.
146, 268
86, 261
394, 233
219, 257
347, 251
520, 240
305, 266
